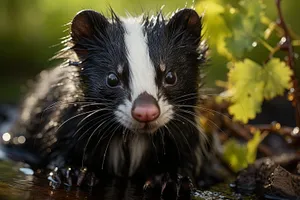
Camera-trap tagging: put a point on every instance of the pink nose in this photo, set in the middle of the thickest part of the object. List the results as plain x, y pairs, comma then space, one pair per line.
145, 108
145, 113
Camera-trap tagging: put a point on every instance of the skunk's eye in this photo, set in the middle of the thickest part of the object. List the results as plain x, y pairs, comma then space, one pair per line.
112, 80
170, 78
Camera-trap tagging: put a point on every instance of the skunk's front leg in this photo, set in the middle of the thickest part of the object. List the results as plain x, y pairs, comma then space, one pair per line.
168, 187
71, 176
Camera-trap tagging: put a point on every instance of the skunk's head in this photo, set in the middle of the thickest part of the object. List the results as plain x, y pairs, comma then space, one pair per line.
142, 68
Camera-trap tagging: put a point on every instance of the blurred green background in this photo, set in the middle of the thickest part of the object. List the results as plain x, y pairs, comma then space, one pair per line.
30, 32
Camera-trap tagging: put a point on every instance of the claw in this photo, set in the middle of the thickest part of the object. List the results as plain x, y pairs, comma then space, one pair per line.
152, 189
68, 179
176, 187
81, 176
186, 187
68, 174
92, 180
54, 178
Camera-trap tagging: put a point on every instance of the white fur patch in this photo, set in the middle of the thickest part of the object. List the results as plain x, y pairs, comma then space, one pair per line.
142, 77
138, 149
138, 145
142, 71
116, 156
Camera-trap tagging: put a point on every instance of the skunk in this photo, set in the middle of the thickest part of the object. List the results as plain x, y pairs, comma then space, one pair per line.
124, 101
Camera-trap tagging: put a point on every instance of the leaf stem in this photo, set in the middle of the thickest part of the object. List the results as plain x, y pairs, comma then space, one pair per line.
288, 46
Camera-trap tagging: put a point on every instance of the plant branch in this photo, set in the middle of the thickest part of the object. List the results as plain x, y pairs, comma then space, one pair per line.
242, 132
288, 46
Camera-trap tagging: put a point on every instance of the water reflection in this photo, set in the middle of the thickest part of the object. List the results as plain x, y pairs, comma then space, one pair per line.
15, 185
18, 183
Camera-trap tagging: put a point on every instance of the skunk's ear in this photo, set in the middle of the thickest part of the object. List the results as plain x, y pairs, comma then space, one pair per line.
186, 20
85, 26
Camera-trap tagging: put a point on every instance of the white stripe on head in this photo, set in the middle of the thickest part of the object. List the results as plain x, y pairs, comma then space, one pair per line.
142, 71
141, 78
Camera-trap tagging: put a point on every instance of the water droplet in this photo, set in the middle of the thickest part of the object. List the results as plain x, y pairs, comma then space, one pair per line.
254, 44
282, 40
291, 94
232, 10
6, 137
289, 139
232, 185
295, 131
15, 140
276, 125
21, 140
27, 171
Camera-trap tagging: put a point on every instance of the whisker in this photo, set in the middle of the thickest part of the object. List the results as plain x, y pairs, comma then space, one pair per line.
103, 121
162, 135
99, 99
92, 125
194, 115
93, 113
85, 132
58, 103
71, 118
125, 133
105, 152
193, 124
111, 120
154, 146
84, 150
178, 152
205, 109
194, 95
186, 141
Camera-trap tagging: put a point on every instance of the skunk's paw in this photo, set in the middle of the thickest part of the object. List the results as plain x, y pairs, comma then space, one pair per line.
165, 188
179, 189
69, 177
152, 188
185, 188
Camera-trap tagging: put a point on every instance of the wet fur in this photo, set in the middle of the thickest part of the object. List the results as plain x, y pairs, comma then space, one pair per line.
68, 117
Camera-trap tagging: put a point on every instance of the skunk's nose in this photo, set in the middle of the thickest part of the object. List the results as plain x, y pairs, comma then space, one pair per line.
145, 108
145, 113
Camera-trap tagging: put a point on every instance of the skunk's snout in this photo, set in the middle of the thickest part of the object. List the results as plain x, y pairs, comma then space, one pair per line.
145, 108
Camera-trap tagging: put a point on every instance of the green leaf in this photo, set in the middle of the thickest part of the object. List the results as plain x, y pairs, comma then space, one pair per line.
249, 84
246, 87
239, 155
214, 27
245, 25
252, 146
277, 77
235, 154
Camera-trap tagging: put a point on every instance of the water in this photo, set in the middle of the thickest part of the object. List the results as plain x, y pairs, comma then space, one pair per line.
18, 183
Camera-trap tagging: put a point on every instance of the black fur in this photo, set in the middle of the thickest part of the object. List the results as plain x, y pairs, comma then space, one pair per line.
68, 117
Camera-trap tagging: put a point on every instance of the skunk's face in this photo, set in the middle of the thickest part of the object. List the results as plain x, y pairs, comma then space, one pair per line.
142, 69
